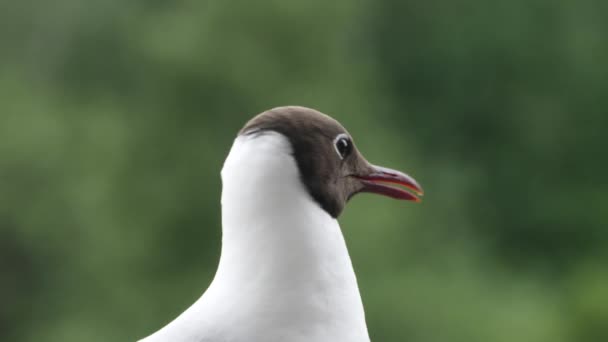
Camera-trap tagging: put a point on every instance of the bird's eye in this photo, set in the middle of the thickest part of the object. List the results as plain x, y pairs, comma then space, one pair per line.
343, 145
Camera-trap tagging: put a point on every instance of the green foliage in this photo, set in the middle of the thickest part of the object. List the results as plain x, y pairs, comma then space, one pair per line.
116, 116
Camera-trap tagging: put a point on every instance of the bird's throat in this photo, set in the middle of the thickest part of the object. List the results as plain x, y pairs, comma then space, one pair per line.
281, 252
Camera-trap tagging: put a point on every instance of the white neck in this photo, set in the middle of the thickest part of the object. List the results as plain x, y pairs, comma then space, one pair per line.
284, 273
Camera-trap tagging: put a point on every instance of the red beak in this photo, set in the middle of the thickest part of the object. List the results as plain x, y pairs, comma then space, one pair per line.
378, 179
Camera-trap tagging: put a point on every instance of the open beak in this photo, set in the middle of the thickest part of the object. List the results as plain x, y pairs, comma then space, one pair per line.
379, 180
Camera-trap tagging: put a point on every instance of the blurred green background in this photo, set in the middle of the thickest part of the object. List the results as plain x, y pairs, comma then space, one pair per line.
116, 116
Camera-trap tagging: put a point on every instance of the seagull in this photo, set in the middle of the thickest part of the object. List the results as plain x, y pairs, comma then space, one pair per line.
285, 274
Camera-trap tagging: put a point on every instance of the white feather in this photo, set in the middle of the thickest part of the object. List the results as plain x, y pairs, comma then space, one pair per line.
284, 274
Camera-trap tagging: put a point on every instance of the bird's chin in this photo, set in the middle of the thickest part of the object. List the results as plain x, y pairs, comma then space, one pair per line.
391, 183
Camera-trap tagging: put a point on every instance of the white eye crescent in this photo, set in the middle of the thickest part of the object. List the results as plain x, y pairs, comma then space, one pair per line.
343, 145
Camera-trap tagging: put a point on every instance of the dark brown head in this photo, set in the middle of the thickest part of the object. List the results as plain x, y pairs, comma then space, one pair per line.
331, 167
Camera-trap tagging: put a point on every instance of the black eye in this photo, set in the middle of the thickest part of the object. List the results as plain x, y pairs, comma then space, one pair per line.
343, 145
